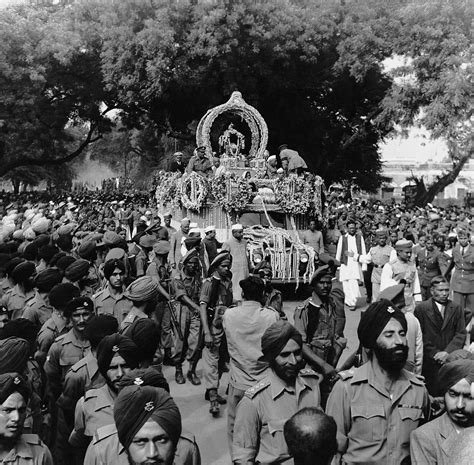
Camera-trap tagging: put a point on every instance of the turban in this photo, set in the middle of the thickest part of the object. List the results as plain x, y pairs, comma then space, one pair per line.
221, 257
12, 264
86, 249
45, 280
374, 320
31, 251
162, 247
13, 382
192, 242
135, 405
111, 238
325, 270
142, 289
144, 377
78, 303
66, 229
113, 345
145, 333
18, 234
403, 244
147, 240
237, 227
47, 252
21, 328
77, 270
276, 337
23, 272
64, 242
14, 353
100, 326
29, 234
61, 294
110, 266
453, 372
40, 225
381, 232
64, 262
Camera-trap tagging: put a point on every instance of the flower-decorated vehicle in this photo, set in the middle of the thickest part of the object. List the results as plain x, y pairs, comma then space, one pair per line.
273, 209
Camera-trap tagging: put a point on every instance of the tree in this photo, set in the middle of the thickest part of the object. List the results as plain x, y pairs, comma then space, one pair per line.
433, 87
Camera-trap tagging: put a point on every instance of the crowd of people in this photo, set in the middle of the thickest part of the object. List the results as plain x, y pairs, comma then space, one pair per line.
99, 290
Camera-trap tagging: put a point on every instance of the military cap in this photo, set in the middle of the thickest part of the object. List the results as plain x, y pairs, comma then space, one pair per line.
161, 247
61, 294
86, 249
115, 254
78, 303
111, 238
147, 240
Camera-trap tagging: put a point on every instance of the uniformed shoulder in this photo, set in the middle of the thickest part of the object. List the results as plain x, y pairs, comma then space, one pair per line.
187, 436
98, 294
414, 378
308, 372
78, 365
254, 390
91, 394
346, 374
104, 432
32, 439
59, 338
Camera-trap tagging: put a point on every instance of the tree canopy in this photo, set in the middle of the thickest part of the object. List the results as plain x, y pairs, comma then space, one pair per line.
314, 70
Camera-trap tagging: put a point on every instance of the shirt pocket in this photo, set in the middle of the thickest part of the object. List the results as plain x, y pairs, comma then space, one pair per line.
411, 418
278, 444
368, 422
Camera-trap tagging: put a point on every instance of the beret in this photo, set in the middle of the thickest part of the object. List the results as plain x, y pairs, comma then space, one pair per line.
116, 344
110, 266
77, 270
61, 294
325, 270
115, 253
326, 259
64, 262
86, 249
111, 238
23, 271
78, 303
276, 337
45, 280
403, 244
221, 257
13, 382
66, 229
142, 289
396, 294
453, 372
375, 318
14, 353
145, 333
135, 405
161, 247
147, 241
144, 377
100, 326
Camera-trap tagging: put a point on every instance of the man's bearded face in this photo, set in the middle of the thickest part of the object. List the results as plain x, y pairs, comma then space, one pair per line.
391, 349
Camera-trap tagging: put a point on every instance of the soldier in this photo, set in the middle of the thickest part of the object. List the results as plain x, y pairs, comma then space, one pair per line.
16, 447
117, 355
76, 273
429, 261
216, 296
58, 324
38, 309
91, 283
187, 290
402, 270
262, 412
378, 405
331, 237
16, 298
199, 162
111, 300
7, 282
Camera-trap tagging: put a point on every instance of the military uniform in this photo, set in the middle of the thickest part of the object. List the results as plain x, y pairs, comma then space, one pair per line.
15, 301
107, 304
374, 424
133, 315
92, 282
188, 318
331, 238
379, 256
29, 450
326, 337
105, 449
262, 412
462, 282
429, 266
37, 310
51, 329
141, 263
216, 293
5, 285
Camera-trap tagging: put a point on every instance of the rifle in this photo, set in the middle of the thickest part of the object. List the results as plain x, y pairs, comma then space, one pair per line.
174, 320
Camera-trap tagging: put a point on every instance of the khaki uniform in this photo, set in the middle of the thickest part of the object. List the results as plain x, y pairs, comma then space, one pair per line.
15, 301
37, 310
133, 315
106, 304
373, 424
262, 412
29, 450
92, 282
5, 285
379, 256
216, 293
51, 329
429, 266
105, 449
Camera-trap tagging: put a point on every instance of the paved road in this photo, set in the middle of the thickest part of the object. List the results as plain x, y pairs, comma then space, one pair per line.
210, 432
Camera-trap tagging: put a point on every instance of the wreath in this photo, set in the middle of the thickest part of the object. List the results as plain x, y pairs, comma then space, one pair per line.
294, 194
166, 191
193, 190
238, 199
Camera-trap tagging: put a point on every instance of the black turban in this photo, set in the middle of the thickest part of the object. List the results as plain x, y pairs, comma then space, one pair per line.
45, 280
135, 405
110, 266
374, 320
47, 252
144, 377
57, 256
22, 328
145, 333
31, 251
98, 327
77, 270
192, 242
64, 262
23, 272
14, 353
453, 372
276, 337
112, 345
12, 264
61, 294
13, 382
221, 257
87, 249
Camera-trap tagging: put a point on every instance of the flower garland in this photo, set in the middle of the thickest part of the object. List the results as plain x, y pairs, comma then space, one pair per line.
294, 194
238, 199
193, 190
167, 192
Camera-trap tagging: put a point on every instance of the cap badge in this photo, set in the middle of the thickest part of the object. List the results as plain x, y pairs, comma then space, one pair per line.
149, 406
390, 310
115, 349
138, 381
16, 380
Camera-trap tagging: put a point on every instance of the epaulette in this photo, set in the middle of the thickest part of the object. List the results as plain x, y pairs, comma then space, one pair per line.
30, 298
307, 372
78, 365
417, 379
346, 374
104, 432
32, 439
90, 394
97, 294
59, 338
254, 390
188, 436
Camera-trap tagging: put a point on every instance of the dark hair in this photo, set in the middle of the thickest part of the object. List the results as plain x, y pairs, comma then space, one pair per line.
438, 280
252, 288
310, 435
351, 221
